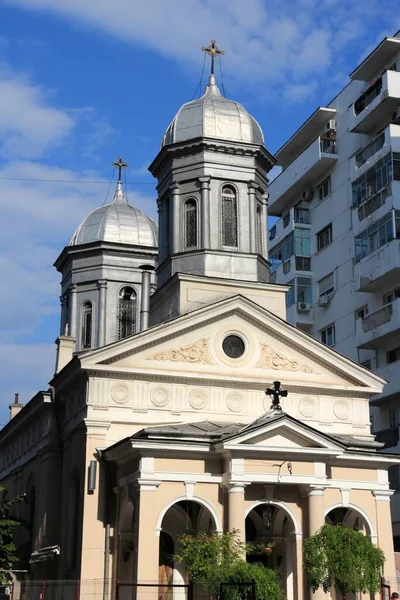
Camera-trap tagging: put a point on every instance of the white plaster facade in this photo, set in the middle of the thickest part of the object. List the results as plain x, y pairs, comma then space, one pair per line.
344, 289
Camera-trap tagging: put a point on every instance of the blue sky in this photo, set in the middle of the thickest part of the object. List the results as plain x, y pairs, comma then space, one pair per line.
83, 81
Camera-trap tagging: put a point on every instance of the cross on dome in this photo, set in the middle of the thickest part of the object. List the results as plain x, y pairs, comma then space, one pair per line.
213, 51
119, 164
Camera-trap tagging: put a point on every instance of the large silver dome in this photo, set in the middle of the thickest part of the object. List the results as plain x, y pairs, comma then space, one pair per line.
213, 116
117, 222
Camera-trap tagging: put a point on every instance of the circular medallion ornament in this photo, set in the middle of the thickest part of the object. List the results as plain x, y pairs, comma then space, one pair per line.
341, 409
235, 402
159, 396
307, 407
233, 346
198, 399
120, 393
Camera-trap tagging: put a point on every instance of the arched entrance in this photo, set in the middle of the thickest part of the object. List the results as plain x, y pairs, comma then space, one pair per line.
269, 523
184, 516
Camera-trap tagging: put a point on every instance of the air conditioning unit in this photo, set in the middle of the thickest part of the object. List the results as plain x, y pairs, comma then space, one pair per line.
303, 306
307, 195
396, 117
330, 126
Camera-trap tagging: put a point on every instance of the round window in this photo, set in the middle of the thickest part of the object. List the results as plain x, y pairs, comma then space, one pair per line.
233, 346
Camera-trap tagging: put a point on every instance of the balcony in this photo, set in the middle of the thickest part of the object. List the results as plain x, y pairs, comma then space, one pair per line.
391, 373
378, 327
376, 105
379, 270
286, 190
366, 157
389, 437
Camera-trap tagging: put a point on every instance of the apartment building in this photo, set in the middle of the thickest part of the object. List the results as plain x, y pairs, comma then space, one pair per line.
337, 238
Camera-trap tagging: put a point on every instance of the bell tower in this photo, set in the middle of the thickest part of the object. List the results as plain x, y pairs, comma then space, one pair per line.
212, 190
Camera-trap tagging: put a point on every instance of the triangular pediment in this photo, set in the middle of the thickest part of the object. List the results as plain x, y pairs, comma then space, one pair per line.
192, 346
281, 431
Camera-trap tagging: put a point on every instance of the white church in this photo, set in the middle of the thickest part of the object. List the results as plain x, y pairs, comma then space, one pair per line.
156, 421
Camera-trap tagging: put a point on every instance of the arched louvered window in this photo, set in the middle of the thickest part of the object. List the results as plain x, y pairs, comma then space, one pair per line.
190, 211
229, 217
126, 312
259, 230
87, 322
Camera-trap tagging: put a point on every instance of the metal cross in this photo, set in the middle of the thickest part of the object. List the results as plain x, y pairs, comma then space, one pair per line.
119, 164
213, 51
276, 393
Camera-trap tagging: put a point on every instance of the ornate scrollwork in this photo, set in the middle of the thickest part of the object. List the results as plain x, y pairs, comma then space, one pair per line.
272, 359
191, 353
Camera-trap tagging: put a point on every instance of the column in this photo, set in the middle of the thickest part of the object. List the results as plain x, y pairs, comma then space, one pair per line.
264, 215
73, 309
236, 509
205, 211
252, 215
101, 318
161, 231
316, 518
174, 218
63, 318
148, 540
384, 530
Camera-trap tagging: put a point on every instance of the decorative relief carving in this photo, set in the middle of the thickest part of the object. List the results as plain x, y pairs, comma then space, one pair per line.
235, 402
159, 396
191, 353
120, 393
341, 410
308, 407
198, 399
272, 359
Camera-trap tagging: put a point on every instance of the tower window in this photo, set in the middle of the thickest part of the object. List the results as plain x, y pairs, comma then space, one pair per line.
259, 230
229, 217
87, 319
190, 224
126, 312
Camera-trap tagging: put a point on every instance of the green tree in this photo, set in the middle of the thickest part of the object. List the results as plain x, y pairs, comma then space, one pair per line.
216, 558
339, 557
8, 523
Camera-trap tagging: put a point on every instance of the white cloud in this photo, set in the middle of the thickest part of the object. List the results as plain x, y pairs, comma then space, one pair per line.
28, 124
273, 42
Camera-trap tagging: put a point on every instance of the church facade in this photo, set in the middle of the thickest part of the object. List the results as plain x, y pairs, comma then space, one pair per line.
156, 422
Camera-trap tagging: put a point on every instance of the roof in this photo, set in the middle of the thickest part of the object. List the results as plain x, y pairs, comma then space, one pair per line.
213, 116
117, 222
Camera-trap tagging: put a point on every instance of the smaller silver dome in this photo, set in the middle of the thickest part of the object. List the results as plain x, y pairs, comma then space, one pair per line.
117, 222
213, 116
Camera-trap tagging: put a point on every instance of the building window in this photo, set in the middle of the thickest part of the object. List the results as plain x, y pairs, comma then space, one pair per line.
392, 355
229, 217
259, 230
190, 210
286, 266
303, 263
324, 237
283, 250
324, 189
126, 312
326, 286
302, 215
272, 232
375, 180
302, 242
376, 236
391, 296
286, 220
291, 294
366, 98
394, 417
328, 335
361, 313
87, 320
304, 289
